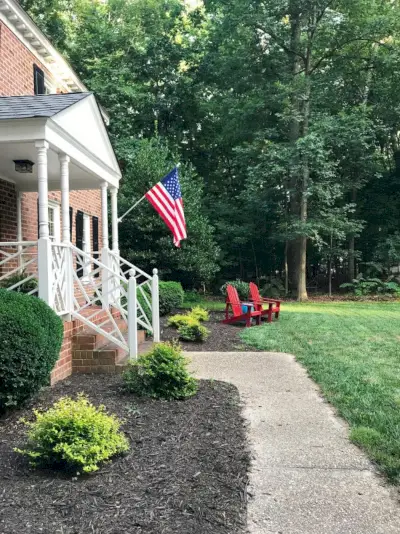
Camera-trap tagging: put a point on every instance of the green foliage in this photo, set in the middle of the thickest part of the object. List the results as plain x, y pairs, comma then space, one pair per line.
192, 297
193, 332
143, 303
241, 287
361, 287
31, 335
171, 296
200, 314
74, 435
161, 373
179, 320
273, 287
25, 286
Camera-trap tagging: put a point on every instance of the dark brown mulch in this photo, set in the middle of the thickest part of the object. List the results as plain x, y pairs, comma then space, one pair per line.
186, 471
223, 337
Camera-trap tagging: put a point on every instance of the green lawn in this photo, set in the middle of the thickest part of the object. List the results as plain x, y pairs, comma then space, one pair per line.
352, 350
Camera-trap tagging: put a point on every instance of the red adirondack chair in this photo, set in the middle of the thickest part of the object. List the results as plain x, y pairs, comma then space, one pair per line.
273, 305
233, 303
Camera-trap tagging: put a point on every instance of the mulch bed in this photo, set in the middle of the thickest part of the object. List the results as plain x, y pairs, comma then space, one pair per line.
186, 471
223, 337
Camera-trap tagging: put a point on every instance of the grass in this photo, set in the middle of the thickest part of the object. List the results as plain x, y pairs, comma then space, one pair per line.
206, 303
352, 350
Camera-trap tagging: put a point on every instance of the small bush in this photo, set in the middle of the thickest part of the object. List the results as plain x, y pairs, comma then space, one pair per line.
372, 286
161, 373
192, 297
200, 314
241, 287
179, 320
193, 332
31, 335
171, 296
74, 435
25, 287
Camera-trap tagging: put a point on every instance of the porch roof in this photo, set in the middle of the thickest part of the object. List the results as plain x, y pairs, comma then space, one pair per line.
72, 124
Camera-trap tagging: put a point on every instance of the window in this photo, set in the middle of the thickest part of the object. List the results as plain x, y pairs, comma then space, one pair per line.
38, 81
54, 221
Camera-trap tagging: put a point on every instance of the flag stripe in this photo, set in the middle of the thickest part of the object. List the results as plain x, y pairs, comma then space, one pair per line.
166, 199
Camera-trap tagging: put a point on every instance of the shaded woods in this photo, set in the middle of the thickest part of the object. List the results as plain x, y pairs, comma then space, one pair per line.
284, 114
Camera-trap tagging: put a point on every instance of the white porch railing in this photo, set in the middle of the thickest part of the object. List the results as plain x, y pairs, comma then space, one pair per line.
19, 266
111, 297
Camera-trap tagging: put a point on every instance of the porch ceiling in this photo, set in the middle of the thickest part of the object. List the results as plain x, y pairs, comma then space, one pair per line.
72, 125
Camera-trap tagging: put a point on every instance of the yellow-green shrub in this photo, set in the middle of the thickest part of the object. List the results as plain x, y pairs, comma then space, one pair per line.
193, 332
74, 435
179, 320
200, 314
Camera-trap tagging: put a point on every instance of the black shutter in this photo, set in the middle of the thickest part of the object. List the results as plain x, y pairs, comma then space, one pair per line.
79, 241
38, 81
95, 230
71, 221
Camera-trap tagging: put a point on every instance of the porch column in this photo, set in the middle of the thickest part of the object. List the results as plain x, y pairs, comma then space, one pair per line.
19, 226
66, 235
104, 213
64, 172
45, 274
105, 256
114, 219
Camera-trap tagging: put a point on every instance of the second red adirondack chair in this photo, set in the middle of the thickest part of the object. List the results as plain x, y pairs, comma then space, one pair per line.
265, 306
233, 303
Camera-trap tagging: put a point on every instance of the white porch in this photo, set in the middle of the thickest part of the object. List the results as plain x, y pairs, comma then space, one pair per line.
59, 142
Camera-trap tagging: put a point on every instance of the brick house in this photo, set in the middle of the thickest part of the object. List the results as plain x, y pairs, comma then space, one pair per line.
57, 170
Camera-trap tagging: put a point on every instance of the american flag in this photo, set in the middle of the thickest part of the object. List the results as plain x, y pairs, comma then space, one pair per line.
166, 199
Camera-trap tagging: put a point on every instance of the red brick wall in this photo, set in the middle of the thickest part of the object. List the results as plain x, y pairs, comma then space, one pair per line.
16, 78
16, 65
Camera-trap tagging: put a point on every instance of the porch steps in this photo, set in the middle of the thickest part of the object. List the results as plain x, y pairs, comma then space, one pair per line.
94, 353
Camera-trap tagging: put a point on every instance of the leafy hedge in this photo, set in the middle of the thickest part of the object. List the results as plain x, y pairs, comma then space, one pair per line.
31, 335
241, 287
161, 373
171, 296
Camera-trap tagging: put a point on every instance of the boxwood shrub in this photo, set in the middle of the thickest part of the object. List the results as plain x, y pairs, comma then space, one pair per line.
31, 335
171, 296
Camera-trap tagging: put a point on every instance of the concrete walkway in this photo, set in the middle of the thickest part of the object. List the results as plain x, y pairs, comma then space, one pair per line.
307, 478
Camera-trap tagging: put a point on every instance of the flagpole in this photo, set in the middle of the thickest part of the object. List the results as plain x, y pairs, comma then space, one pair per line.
130, 209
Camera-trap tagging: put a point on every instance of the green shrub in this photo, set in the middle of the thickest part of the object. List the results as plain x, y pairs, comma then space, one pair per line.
171, 296
242, 288
192, 297
200, 314
193, 332
179, 320
161, 373
372, 286
25, 287
74, 435
31, 335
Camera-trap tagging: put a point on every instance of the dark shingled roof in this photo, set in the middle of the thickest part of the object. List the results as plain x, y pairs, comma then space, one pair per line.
27, 107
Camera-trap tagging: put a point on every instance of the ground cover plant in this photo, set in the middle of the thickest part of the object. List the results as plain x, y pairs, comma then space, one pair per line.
161, 373
352, 350
30, 341
186, 470
188, 325
73, 435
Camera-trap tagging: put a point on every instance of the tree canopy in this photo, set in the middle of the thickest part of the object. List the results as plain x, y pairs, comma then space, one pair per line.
283, 113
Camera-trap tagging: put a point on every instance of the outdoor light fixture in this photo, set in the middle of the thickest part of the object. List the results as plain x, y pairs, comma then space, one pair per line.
24, 166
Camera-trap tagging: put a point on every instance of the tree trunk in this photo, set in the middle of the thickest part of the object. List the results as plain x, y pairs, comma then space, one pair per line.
287, 269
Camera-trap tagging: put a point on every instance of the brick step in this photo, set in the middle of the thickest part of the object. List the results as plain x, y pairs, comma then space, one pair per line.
90, 340
93, 353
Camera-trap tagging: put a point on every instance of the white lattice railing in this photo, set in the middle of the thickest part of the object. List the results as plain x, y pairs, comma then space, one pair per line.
19, 266
147, 317
94, 304
61, 268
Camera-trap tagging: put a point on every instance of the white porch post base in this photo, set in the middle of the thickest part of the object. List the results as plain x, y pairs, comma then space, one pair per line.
106, 278
45, 270
132, 316
155, 306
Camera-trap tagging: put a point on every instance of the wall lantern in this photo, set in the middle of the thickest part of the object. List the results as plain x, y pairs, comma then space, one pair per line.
24, 166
